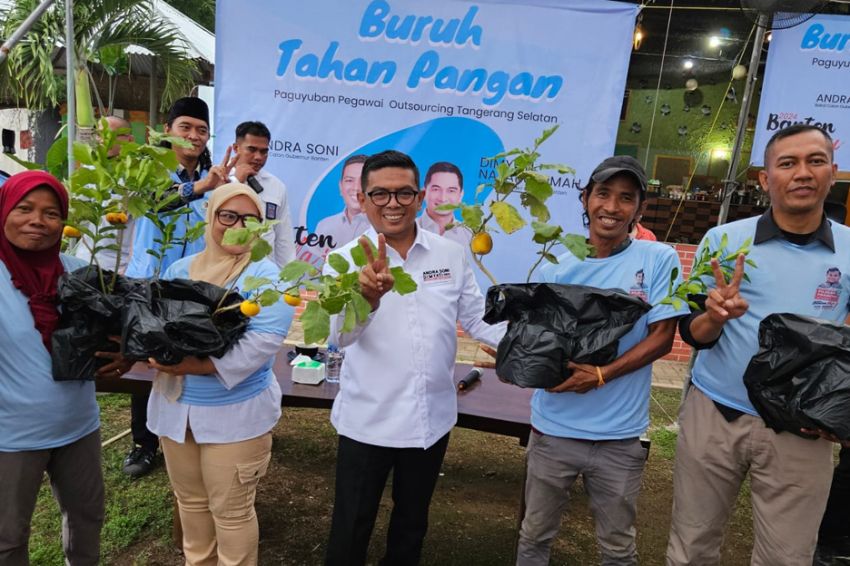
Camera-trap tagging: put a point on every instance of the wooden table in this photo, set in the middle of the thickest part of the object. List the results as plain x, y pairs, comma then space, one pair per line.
489, 406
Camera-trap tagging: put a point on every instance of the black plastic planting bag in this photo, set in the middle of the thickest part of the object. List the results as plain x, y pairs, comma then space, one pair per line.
166, 320
550, 325
89, 317
800, 377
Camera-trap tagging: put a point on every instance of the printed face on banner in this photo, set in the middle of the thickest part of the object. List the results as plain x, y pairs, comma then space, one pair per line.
443, 188
349, 188
442, 81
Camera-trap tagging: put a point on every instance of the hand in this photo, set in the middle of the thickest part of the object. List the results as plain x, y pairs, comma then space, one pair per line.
119, 364
242, 171
487, 363
826, 436
375, 277
583, 379
218, 174
724, 302
189, 365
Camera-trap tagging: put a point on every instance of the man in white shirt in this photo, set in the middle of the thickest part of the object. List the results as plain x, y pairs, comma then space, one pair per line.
251, 151
444, 185
397, 400
351, 222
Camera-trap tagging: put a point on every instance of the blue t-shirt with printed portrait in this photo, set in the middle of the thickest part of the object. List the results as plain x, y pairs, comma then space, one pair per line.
810, 280
619, 409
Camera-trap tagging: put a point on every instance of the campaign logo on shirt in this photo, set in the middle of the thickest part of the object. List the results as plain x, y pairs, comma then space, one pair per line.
639, 289
436, 276
271, 211
828, 293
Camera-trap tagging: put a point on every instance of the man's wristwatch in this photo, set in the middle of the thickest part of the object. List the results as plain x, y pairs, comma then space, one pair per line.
187, 191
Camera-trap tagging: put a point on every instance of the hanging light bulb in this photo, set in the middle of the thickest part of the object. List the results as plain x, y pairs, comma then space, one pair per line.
739, 72
638, 37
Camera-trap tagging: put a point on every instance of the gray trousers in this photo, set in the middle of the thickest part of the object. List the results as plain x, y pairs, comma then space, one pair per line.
789, 485
77, 482
611, 471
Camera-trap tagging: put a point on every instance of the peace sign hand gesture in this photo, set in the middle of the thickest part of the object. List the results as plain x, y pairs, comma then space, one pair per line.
724, 302
375, 277
218, 174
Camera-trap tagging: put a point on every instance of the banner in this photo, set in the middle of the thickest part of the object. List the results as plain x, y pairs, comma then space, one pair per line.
806, 82
450, 83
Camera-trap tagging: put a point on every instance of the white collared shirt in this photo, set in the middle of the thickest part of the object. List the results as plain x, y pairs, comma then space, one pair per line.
281, 236
457, 234
396, 383
342, 229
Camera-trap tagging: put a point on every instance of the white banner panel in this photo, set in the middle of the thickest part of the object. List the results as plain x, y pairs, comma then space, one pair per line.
444, 81
807, 81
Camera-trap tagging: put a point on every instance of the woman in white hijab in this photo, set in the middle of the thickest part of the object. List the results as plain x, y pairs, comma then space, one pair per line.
214, 415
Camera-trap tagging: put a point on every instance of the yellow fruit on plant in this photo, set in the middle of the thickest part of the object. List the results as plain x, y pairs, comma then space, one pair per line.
291, 300
249, 308
71, 232
481, 244
116, 217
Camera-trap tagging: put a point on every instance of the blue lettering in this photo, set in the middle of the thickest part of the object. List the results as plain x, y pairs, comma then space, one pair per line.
329, 64
287, 50
811, 37
816, 38
372, 24
376, 21
424, 68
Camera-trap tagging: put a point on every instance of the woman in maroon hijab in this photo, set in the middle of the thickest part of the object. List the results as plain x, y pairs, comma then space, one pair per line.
45, 425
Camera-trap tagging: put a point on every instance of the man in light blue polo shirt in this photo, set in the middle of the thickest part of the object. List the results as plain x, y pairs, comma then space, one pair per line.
721, 436
590, 425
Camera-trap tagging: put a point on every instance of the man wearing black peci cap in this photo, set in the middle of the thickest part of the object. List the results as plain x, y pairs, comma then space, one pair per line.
590, 425
189, 118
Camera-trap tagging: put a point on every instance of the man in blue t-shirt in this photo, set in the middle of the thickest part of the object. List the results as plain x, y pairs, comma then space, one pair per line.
721, 436
590, 424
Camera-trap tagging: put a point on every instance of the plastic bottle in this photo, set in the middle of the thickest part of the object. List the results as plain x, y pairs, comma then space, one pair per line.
333, 364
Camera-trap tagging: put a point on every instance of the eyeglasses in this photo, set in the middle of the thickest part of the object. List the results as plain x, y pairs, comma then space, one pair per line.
229, 218
382, 197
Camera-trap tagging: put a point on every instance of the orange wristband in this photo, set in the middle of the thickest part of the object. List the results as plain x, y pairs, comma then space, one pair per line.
601, 381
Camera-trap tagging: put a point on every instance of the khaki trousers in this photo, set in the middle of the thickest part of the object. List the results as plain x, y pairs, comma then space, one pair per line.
789, 478
215, 486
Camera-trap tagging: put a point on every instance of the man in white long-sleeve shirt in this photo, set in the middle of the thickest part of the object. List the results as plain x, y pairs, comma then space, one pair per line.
397, 400
251, 151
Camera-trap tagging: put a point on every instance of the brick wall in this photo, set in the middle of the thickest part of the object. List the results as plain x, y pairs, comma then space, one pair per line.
681, 352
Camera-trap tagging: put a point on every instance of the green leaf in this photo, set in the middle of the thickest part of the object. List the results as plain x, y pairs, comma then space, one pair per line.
358, 256
537, 209
751, 263
404, 283
545, 135
362, 308
724, 241
538, 185
677, 303
514, 151
350, 320
507, 216
137, 206
295, 269
338, 263
548, 256
251, 283
448, 207
260, 249
23, 163
577, 244
544, 233
268, 297
502, 171
334, 303
316, 323
472, 216
82, 153
236, 237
